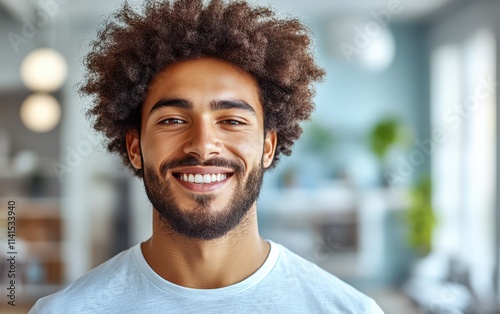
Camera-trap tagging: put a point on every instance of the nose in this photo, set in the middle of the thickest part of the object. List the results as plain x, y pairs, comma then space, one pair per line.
203, 141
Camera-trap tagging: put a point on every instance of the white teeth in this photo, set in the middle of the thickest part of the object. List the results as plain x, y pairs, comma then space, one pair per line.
207, 178
202, 178
198, 178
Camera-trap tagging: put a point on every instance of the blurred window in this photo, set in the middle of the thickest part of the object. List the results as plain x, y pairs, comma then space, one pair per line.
463, 102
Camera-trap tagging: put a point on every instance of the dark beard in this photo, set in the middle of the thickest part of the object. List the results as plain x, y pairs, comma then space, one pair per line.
202, 222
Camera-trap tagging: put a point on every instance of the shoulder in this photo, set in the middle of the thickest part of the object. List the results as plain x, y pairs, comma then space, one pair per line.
87, 290
309, 273
325, 289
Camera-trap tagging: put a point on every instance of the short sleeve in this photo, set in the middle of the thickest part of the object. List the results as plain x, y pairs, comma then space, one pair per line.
375, 309
33, 310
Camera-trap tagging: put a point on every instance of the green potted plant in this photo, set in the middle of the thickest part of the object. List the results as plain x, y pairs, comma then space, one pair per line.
420, 216
387, 133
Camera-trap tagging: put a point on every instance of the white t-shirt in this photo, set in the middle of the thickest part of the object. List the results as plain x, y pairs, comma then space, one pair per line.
285, 283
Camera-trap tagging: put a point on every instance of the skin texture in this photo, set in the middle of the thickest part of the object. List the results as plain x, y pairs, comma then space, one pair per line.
227, 140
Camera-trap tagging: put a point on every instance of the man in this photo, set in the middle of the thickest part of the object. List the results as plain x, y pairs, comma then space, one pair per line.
199, 100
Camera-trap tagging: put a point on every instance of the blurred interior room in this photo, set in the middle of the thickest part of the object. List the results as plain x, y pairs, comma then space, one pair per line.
392, 187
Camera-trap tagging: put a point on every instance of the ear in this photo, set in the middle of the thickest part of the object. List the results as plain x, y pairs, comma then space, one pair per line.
269, 148
134, 148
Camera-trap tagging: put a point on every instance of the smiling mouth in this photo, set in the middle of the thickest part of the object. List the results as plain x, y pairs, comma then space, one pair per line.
206, 178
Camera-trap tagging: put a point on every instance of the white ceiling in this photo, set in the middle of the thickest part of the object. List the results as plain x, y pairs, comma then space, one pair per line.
411, 9
310, 9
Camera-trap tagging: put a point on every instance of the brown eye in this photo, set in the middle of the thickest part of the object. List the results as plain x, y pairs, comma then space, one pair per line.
232, 122
172, 121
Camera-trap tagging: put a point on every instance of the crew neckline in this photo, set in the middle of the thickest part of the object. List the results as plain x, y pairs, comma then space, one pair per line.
238, 287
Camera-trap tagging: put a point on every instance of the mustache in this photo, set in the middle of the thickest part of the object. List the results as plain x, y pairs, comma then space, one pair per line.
190, 161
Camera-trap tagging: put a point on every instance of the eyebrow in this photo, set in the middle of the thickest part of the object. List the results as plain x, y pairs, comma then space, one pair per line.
231, 104
176, 103
214, 105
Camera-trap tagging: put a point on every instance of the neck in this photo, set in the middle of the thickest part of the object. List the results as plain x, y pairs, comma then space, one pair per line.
206, 264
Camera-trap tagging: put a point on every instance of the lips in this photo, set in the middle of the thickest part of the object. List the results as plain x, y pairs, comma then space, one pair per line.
202, 179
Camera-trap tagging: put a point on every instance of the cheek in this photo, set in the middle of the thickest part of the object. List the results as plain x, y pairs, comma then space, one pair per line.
156, 148
248, 148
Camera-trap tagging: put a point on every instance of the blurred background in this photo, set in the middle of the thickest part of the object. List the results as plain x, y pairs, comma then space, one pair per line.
392, 187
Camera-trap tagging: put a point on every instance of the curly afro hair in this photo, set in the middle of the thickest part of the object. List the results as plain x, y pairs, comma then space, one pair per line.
131, 48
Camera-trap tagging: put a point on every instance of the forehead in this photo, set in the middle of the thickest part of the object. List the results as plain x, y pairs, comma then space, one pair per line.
201, 81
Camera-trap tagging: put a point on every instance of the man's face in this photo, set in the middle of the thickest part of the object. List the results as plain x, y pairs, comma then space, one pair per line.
202, 146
